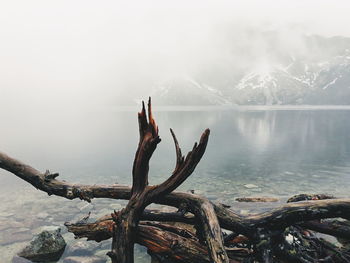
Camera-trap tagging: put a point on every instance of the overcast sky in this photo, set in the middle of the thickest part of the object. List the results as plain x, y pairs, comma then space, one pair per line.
86, 53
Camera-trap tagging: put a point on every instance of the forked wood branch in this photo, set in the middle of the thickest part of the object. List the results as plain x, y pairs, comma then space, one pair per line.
127, 220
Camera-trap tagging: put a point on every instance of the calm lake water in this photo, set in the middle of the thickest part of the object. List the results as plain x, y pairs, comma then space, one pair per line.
278, 152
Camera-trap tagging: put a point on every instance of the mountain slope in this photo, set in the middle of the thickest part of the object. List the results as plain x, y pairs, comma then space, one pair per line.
187, 91
317, 74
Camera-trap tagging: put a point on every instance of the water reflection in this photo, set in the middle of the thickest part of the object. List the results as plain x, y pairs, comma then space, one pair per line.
258, 128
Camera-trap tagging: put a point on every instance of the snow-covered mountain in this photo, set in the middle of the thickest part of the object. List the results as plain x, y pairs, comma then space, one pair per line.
300, 82
318, 75
273, 87
187, 91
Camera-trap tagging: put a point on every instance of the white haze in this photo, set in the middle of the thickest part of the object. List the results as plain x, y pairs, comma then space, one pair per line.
57, 55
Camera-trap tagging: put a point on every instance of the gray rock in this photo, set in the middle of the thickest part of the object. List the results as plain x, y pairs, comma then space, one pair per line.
84, 207
46, 228
69, 238
45, 247
90, 259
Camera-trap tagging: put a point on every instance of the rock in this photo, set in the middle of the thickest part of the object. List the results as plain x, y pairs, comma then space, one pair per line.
250, 186
87, 206
45, 247
48, 228
289, 238
90, 259
69, 238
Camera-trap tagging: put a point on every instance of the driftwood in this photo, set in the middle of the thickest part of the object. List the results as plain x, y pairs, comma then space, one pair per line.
256, 199
284, 234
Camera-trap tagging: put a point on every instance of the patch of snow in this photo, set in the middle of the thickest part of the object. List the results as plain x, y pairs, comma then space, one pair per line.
330, 83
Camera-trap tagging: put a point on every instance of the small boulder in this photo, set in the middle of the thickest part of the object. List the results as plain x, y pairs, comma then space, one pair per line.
47, 246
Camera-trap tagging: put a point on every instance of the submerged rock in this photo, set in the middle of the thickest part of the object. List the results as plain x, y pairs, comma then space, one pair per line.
47, 246
42, 215
82, 248
250, 186
17, 259
8, 238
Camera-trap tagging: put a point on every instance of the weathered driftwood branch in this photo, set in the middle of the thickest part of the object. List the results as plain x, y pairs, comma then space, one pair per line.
263, 232
161, 239
287, 215
275, 219
228, 219
102, 229
257, 199
128, 218
336, 228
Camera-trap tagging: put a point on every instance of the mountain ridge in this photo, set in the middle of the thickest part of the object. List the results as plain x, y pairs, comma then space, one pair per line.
318, 75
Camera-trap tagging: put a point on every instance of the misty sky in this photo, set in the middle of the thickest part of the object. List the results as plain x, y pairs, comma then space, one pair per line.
81, 54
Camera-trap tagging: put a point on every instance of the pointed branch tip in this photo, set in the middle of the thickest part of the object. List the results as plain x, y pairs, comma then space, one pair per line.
205, 136
179, 157
143, 110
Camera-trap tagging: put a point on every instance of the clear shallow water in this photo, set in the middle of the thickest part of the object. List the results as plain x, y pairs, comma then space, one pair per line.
281, 152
